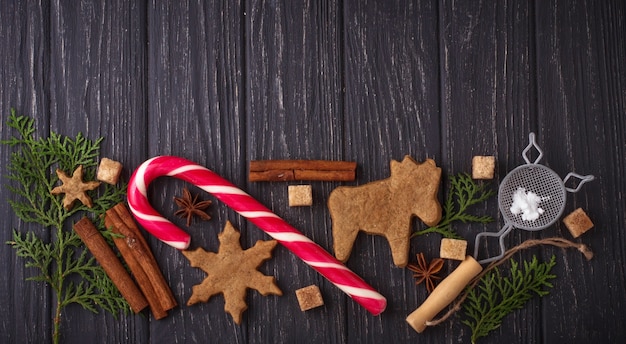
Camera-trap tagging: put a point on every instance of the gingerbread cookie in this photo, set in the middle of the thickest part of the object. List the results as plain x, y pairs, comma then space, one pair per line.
74, 188
385, 207
231, 271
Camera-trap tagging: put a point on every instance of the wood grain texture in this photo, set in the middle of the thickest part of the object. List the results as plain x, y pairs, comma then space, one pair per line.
224, 83
27, 306
294, 111
95, 82
195, 110
392, 109
581, 97
487, 109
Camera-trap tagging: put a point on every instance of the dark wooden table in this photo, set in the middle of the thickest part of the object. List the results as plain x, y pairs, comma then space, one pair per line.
223, 83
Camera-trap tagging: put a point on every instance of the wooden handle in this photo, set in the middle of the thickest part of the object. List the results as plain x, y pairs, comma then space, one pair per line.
444, 294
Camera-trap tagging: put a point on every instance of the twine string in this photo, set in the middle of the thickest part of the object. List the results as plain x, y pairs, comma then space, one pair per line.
558, 242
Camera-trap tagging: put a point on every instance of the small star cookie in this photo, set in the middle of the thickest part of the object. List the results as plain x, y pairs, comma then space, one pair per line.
74, 188
231, 271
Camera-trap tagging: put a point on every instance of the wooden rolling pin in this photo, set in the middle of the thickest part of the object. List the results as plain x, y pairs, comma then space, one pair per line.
444, 294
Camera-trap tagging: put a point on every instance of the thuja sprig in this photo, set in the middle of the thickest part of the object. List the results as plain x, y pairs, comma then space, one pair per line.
496, 296
64, 256
464, 193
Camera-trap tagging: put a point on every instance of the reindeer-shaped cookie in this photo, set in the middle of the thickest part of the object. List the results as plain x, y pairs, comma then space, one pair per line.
386, 207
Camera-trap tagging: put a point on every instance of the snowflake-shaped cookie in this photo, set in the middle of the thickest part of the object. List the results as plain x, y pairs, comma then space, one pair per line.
231, 271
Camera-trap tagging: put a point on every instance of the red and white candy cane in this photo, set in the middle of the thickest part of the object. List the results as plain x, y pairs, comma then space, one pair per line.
310, 252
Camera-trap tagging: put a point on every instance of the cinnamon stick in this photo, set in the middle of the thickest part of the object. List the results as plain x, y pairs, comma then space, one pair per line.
136, 252
288, 170
140, 276
112, 266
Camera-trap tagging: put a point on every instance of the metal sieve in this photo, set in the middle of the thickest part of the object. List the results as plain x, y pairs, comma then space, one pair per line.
541, 181
534, 178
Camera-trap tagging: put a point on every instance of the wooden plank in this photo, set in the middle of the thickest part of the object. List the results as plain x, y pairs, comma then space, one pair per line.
391, 107
581, 87
487, 109
97, 87
294, 99
195, 110
365, 81
26, 305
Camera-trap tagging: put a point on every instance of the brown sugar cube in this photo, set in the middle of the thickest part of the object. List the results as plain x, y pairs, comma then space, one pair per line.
577, 222
483, 167
109, 171
453, 249
300, 195
309, 297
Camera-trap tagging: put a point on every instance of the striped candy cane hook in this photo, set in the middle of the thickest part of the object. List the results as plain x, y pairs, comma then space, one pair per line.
307, 250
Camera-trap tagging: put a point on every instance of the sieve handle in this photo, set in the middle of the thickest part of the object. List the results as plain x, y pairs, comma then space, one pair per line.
583, 180
532, 144
501, 235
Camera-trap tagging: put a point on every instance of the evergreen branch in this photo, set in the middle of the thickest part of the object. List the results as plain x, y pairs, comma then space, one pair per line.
464, 193
31, 170
497, 296
36, 253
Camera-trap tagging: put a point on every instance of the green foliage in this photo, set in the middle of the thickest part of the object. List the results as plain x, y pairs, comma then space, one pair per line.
464, 193
497, 296
64, 260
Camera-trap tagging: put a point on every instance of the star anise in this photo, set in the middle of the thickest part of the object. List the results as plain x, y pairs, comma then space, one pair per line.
424, 272
189, 207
